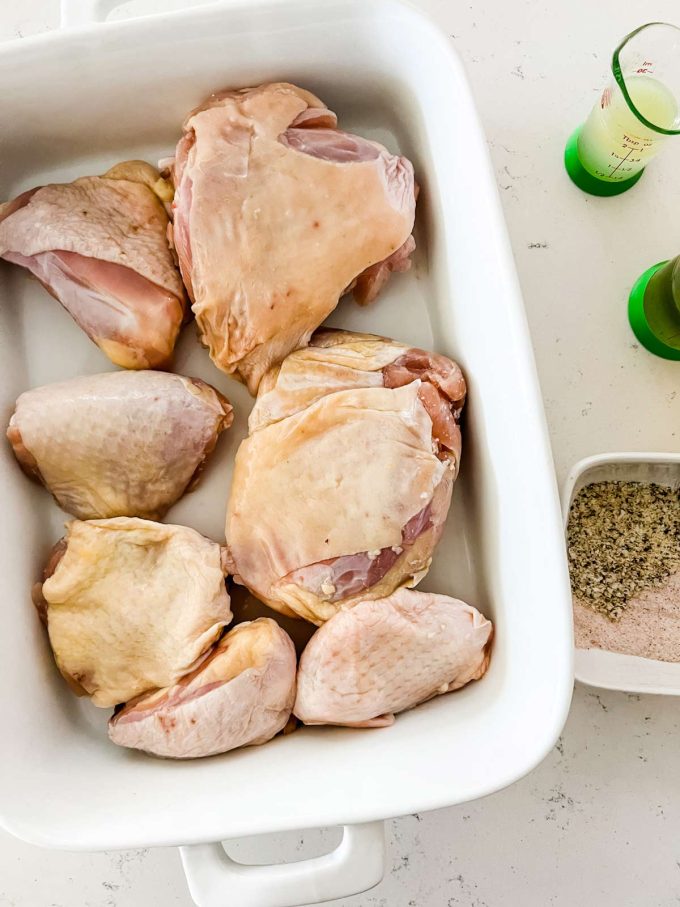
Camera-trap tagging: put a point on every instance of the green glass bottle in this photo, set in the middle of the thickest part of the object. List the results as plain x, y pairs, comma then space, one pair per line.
654, 309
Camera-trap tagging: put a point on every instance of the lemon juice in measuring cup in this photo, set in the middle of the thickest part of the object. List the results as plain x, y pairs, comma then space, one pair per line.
637, 111
613, 144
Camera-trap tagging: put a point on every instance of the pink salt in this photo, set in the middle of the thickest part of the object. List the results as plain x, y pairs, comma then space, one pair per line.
649, 627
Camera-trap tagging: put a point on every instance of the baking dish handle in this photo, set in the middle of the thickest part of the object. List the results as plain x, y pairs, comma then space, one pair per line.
85, 12
357, 864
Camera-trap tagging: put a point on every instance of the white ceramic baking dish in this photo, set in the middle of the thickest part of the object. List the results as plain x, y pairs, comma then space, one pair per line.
599, 667
73, 103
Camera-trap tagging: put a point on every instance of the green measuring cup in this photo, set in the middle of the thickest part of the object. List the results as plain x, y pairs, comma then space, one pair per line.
637, 112
654, 309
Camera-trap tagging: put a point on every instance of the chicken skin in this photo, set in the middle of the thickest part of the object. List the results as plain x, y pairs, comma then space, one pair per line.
341, 491
241, 695
276, 214
120, 443
381, 657
131, 605
99, 245
339, 360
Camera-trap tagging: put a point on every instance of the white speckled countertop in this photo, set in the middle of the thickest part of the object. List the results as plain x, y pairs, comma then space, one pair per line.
598, 822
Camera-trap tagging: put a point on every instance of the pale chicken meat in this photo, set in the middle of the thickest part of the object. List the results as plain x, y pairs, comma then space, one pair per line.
370, 282
100, 246
339, 360
118, 444
276, 214
342, 488
369, 663
241, 695
131, 605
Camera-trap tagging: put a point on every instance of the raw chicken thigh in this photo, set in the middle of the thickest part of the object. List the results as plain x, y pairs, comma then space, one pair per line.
131, 605
382, 657
118, 444
241, 695
276, 214
99, 245
339, 360
342, 489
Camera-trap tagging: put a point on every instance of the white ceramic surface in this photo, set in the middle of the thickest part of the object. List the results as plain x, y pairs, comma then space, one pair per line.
599, 819
598, 667
389, 73
354, 866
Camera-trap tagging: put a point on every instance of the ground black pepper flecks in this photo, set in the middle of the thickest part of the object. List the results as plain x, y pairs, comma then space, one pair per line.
622, 538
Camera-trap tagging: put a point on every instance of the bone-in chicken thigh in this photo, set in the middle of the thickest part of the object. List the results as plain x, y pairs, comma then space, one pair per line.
339, 360
382, 657
342, 488
120, 443
276, 214
241, 695
99, 245
131, 605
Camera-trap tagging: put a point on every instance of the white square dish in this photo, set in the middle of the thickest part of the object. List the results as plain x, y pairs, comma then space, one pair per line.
599, 667
74, 103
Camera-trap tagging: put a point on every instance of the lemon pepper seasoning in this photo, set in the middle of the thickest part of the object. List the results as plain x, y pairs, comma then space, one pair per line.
622, 538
